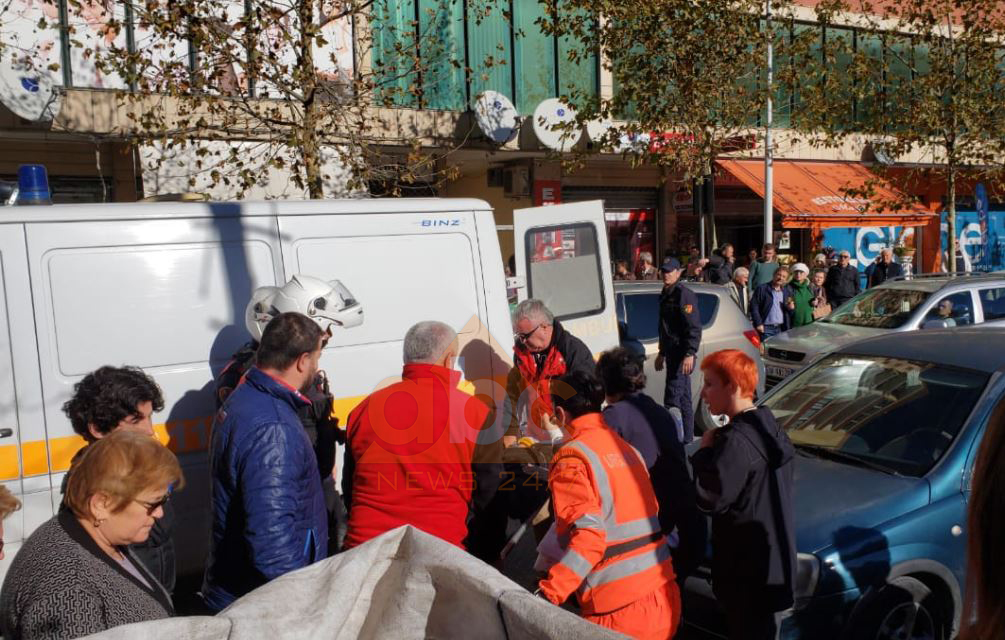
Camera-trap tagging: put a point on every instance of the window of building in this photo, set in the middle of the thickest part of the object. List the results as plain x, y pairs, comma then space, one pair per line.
504, 51
839, 45
813, 36
870, 105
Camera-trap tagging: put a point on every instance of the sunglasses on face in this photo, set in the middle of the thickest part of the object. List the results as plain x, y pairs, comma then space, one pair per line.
152, 507
524, 337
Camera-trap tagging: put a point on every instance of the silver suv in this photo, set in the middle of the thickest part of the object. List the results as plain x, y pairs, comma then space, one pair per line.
723, 327
902, 304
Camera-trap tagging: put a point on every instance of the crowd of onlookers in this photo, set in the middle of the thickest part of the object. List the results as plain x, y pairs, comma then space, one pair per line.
775, 295
626, 510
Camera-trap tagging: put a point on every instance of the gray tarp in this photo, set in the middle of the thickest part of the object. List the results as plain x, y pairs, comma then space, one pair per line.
404, 584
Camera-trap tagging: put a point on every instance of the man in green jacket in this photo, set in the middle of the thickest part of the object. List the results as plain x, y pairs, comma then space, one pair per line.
802, 294
762, 271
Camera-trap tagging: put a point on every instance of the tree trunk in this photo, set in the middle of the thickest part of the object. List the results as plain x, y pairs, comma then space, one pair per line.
951, 217
312, 153
309, 144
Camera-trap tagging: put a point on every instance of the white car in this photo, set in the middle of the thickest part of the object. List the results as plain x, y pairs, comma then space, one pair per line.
901, 304
723, 326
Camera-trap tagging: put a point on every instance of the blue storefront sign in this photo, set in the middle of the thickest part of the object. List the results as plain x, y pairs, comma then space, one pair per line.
980, 237
865, 243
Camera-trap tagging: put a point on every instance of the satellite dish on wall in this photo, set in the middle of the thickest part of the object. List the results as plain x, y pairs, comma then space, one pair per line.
880, 152
633, 143
597, 129
496, 117
549, 116
29, 94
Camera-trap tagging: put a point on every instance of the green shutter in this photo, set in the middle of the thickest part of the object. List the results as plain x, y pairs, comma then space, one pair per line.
534, 56
490, 53
441, 25
582, 74
393, 52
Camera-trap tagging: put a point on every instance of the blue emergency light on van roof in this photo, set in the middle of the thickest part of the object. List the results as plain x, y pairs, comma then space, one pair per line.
33, 185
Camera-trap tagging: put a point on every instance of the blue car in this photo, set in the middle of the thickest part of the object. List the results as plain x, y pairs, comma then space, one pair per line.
886, 432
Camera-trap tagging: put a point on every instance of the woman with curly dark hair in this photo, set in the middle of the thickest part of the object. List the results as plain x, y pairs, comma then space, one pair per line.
125, 398
113, 398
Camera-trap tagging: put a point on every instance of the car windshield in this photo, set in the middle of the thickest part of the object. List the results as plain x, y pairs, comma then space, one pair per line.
879, 308
898, 415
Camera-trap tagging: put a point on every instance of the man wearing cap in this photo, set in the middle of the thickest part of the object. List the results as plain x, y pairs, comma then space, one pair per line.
802, 295
680, 335
842, 281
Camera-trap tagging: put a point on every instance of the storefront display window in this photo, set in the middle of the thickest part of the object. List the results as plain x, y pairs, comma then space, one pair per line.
630, 233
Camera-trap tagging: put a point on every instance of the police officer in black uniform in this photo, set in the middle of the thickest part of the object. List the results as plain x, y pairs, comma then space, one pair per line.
680, 335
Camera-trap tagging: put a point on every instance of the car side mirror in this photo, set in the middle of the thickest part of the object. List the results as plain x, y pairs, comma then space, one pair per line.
935, 323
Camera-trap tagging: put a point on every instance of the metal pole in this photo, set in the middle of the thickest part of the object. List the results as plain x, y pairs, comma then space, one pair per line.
769, 182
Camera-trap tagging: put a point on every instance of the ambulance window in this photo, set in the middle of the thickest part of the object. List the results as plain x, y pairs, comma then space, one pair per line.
564, 269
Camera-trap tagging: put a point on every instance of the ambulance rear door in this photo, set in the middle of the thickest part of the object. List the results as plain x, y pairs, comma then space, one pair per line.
24, 467
563, 258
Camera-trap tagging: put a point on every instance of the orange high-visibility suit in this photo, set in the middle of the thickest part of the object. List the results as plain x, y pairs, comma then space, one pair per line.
616, 558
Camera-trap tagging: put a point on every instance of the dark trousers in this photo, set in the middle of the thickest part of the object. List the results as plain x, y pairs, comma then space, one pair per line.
677, 394
748, 619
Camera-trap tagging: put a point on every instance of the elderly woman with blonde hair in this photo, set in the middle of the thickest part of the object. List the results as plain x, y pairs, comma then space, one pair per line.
75, 575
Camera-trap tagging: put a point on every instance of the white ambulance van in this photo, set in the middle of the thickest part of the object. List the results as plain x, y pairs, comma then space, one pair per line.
164, 286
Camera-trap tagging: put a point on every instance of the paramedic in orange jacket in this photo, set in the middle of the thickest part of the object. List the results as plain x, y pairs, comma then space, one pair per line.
616, 560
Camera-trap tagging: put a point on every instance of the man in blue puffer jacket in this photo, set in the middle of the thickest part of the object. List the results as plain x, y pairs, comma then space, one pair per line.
269, 515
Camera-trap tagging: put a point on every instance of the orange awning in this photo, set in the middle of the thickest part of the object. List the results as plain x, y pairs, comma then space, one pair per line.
811, 194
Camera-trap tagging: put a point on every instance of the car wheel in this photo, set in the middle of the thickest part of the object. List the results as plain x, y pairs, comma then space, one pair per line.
904, 609
706, 420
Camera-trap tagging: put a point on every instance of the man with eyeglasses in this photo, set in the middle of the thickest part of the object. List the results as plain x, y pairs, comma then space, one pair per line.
543, 350
842, 283
113, 399
680, 337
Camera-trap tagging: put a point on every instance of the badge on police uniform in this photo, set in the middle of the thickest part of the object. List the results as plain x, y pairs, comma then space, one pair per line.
688, 308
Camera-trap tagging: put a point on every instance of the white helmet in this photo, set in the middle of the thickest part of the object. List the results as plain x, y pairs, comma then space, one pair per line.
326, 303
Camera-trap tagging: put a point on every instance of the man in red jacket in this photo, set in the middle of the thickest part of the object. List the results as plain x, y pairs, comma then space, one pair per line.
413, 454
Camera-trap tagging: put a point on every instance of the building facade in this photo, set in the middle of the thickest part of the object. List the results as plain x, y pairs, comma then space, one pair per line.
70, 121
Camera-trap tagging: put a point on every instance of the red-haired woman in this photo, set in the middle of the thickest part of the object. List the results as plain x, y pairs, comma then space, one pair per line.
743, 478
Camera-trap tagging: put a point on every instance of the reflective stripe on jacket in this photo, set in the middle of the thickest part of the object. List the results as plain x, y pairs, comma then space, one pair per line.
606, 516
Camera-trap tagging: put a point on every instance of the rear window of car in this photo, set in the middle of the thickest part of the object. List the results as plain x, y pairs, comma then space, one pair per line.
993, 303
642, 313
886, 413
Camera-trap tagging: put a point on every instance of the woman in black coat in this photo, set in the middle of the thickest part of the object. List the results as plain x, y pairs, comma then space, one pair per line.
657, 434
743, 477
